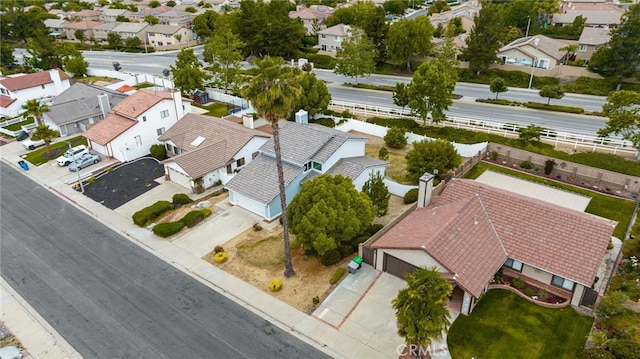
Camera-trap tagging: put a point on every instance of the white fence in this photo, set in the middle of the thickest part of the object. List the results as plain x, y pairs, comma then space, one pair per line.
397, 188
234, 100
130, 79
12, 121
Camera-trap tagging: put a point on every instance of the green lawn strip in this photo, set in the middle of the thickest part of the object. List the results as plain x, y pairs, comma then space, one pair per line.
504, 325
216, 109
18, 126
144, 85
39, 156
600, 205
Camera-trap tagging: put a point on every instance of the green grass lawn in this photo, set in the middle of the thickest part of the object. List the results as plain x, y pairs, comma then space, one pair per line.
601, 205
216, 109
504, 325
18, 126
39, 155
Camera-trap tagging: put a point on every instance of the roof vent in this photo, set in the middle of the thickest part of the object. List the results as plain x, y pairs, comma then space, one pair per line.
198, 141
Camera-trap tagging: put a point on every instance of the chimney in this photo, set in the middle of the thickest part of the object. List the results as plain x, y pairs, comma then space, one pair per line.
425, 189
247, 120
177, 103
105, 106
54, 74
302, 116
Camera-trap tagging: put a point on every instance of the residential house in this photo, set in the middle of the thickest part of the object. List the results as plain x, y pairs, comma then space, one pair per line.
16, 90
101, 32
86, 26
313, 17
590, 39
596, 14
307, 150
55, 26
473, 230
141, 14
60, 14
79, 107
206, 150
459, 42
134, 124
165, 35
85, 15
465, 11
330, 39
112, 14
176, 18
539, 51
128, 30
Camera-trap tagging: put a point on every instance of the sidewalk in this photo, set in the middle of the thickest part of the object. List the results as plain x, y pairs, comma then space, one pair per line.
312, 330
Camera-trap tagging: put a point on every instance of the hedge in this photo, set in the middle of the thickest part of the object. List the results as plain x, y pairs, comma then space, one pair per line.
337, 275
494, 101
148, 214
411, 196
321, 61
345, 250
181, 198
194, 217
166, 229
330, 257
404, 123
558, 108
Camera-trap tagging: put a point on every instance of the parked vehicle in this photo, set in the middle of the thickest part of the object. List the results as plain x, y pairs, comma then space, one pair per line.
10, 352
85, 160
75, 152
32, 145
22, 135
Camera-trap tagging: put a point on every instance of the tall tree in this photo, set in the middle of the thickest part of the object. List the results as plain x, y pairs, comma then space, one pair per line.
79, 35
46, 133
42, 55
204, 24
378, 193
623, 110
402, 51
187, 72
315, 96
356, 57
273, 92
484, 40
620, 58
34, 108
551, 91
77, 65
431, 90
152, 20
401, 95
438, 6
6, 54
224, 52
427, 156
421, 308
498, 86
114, 39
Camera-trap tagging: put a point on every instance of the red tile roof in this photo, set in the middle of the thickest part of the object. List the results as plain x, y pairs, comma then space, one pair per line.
558, 240
108, 129
6, 101
30, 80
139, 102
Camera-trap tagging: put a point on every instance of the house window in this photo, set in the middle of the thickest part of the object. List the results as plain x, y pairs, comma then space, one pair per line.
317, 166
42, 86
144, 118
582, 48
307, 166
562, 283
240, 162
168, 147
595, 48
164, 114
323, 36
513, 264
160, 131
229, 170
255, 154
338, 38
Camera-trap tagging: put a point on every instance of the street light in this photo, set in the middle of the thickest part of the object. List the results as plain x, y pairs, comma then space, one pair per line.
73, 157
528, 23
536, 42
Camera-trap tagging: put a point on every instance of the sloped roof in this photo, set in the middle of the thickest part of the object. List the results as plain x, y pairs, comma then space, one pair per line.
31, 80
354, 166
546, 44
594, 36
108, 129
108, 26
558, 240
164, 29
611, 15
223, 140
139, 102
339, 30
6, 101
55, 23
82, 25
132, 27
80, 101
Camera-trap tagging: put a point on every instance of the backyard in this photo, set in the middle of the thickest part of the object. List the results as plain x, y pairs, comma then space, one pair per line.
504, 325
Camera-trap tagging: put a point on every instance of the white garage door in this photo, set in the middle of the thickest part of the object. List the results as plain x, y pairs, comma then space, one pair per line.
180, 178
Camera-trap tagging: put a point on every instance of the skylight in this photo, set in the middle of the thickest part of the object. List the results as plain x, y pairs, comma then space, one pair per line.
198, 141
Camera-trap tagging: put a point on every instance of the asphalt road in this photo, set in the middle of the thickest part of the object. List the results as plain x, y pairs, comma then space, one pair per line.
111, 299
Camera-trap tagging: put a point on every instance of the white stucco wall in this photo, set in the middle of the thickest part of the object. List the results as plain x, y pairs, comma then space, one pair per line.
350, 148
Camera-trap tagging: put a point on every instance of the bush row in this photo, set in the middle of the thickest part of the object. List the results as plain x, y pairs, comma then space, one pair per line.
189, 220
558, 108
148, 214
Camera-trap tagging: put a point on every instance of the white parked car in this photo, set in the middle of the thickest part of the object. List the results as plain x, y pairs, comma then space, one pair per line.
72, 153
32, 145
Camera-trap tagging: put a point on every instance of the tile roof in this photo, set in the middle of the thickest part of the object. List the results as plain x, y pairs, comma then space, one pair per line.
259, 179
6, 101
31, 80
82, 25
80, 101
130, 27
339, 30
223, 140
558, 240
164, 29
108, 129
353, 166
546, 44
611, 16
594, 36
139, 102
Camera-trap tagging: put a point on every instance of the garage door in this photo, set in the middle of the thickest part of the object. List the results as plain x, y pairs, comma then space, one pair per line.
397, 267
179, 178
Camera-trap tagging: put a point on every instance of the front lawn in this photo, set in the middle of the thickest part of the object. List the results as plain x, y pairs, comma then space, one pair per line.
601, 205
504, 325
216, 109
39, 156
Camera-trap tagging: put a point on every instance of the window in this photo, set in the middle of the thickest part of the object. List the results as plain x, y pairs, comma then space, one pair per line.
144, 118
317, 166
168, 147
160, 131
562, 283
229, 170
307, 166
240, 162
338, 38
164, 114
582, 48
42, 86
323, 36
513, 264
595, 48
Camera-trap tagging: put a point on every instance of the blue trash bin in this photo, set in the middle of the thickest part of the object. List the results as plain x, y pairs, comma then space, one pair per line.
24, 165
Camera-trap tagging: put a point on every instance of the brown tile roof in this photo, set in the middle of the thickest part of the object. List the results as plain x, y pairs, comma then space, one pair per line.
6, 101
30, 80
82, 25
108, 129
558, 240
139, 102
223, 139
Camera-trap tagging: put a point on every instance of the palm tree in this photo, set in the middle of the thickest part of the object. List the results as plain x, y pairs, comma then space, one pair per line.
36, 109
273, 92
46, 133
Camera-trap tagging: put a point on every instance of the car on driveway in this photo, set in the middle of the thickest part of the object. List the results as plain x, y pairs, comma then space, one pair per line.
68, 157
32, 145
85, 160
22, 135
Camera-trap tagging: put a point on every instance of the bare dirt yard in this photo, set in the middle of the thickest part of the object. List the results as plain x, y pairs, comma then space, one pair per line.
181, 211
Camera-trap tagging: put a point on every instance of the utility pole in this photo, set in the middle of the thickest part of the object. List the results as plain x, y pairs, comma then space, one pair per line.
73, 157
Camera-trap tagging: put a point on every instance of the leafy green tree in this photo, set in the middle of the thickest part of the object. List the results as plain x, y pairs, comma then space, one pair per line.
36, 109
438, 7
328, 211
151, 20
395, 138
133, 43
551, 91
64, 51
187, 72
427, 156
402, 51
356, 57
513, 34
421, 307
41, 54
624, 348
575, 29
378, 193
6, 54
395, 7
273, 92
620, 58
546, 9
122, 18
171, 3
114, 39
498, 85
191, 10
612, 304
315, 96
46, 133
484, 40
623, 110
19, 25
531, 133
401, 95
154, 4
431, 90
204, 24
224, 52
79, 35
76, 65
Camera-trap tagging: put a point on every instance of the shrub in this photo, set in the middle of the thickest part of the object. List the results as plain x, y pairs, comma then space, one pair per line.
405, 123
543, 294
383, 154
596, 353
517, 283
181, 198
326, 122
321, 61
624, 349
411, 196
206, 211
494, 155
166, 229
345, 250
395, 138
158, 152
150, 213
548, 166
494, 101
256, 226
218, 249
330, 257
527, 165
315, 300
275, 285
373, 229
337, 275
192, 218
220, 257
557, 108
90, 180
529, 292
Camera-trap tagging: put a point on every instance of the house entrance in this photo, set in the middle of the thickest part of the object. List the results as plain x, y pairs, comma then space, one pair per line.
455, 299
